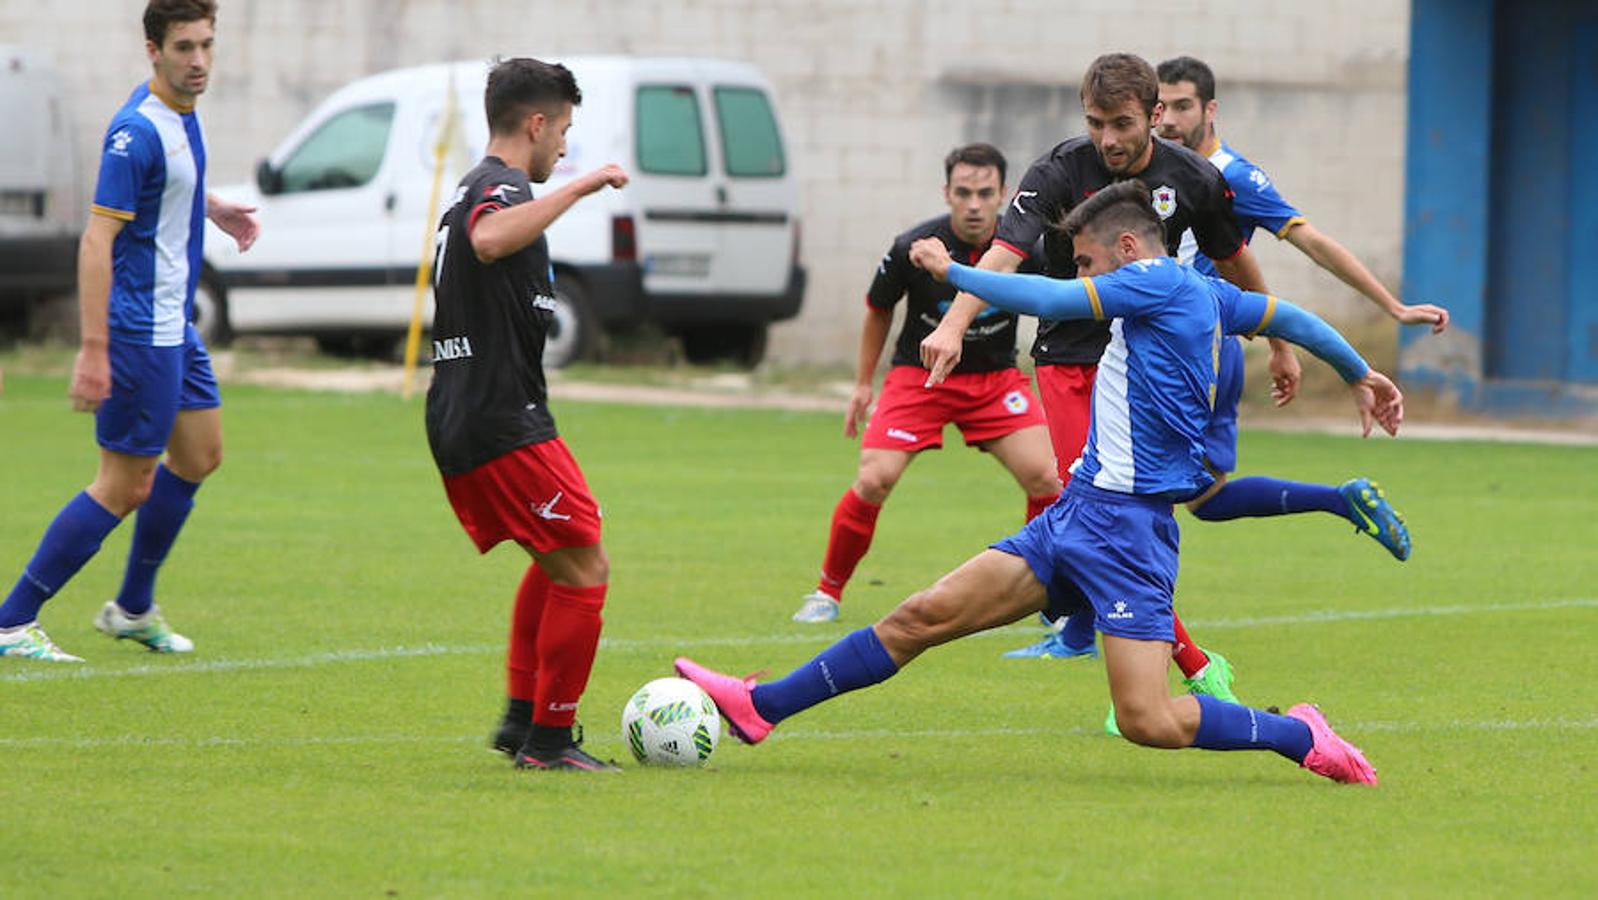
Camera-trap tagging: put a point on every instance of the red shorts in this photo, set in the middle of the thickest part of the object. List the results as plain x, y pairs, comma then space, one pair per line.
534, 495
1068, 401
985, 406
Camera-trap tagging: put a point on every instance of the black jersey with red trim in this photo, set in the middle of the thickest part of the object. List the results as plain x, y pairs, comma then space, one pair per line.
989, 342
488, 395
1187, 192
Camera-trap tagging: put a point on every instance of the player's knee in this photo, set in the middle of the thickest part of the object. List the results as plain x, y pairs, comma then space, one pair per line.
195, 466
1150, 726
1043, 482
874, 486
921, 620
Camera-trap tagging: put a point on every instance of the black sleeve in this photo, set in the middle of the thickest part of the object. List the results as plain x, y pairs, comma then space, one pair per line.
893, 276
1214, 224
1034, 207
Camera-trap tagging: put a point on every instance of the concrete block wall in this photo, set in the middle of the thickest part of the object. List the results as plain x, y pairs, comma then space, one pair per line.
873, 93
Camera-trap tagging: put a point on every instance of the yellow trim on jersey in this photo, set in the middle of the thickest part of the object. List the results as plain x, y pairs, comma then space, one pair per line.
1270, 310
1291, 224
1093, 298
119, 214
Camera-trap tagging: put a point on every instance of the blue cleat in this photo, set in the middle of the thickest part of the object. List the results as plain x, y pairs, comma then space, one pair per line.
1373, 515
1053, 647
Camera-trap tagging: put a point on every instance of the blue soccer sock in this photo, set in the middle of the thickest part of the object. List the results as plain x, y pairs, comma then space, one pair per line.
155, 529
1231, 726
858, 660
1259, 496
70, 541
1077, 632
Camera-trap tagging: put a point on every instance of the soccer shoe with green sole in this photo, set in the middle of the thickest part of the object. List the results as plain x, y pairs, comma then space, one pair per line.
1374, 516
1052, 647
1331, 756
1215, 680
570, 758
818, 607
149, 629
30, 642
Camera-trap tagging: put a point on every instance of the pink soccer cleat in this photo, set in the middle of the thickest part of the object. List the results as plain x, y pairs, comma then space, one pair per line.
734, 697
1332, 756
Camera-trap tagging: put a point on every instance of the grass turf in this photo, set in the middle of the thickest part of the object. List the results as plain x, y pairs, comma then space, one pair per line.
328, 737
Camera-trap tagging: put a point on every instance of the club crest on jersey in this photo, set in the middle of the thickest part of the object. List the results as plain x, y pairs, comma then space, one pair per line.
1165, 200
1015, 402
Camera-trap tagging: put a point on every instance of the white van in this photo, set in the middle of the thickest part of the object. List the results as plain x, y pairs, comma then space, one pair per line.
41, 207
703, 242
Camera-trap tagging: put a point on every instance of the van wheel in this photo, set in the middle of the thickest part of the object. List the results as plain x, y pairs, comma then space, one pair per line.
744, 345
572, 331
210, 312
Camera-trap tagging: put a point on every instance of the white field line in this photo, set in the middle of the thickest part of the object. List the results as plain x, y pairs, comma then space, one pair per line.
63, 671
133, 740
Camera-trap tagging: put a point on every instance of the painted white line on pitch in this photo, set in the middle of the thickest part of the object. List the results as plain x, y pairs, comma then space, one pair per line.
60, 671
1352, 728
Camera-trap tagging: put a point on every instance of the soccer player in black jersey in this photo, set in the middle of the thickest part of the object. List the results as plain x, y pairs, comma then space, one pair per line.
986, 396
506, 471
1120, 99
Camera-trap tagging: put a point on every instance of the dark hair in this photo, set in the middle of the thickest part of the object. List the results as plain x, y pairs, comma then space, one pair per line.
1123, 206
978, 154
161, 15
520, 86
1115, 78
1186, 68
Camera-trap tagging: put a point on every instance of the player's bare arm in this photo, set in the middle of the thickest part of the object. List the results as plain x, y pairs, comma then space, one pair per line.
1332, 256
940, 350
91, 373
1378, 399
1243, 270
503, 233
873, 337
234, 219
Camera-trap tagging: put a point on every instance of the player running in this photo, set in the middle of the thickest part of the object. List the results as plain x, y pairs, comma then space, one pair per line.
142, 369
506, 471
1112, 539
986, 396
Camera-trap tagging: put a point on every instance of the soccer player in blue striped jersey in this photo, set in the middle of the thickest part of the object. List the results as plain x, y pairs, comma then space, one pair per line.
1111, 541
1187, 95
141, 368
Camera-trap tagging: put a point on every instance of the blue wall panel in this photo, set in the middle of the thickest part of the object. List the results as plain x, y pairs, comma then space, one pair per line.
1582, 349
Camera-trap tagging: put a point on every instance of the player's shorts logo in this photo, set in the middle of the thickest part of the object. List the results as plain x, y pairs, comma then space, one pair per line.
1120, 612
1015, 402
901, 435
1165, 200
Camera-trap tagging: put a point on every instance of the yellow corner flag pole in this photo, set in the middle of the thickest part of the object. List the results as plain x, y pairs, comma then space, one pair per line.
424, 268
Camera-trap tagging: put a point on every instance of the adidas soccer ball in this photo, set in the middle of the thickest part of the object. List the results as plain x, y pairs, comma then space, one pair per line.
670, 722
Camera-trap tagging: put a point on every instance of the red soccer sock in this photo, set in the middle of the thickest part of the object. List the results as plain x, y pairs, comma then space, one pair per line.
568, 635
521, 663
853, 523
1189, 658
1035, 505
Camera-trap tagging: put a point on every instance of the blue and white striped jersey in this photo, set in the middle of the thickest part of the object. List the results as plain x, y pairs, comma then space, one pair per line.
152, 176
1255, 204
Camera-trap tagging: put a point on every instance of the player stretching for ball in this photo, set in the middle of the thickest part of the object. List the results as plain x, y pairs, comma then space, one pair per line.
142, 369
508, 474
986, 395
1112, 538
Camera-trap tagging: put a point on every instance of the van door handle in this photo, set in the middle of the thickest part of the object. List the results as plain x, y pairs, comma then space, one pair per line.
721, 195
390, 201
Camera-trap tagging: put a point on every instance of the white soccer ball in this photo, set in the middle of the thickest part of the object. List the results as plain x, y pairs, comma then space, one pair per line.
670, 722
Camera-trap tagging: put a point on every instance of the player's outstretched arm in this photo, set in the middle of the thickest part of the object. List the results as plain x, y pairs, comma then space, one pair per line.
509, 230
940, 350
1340, 261
1033, 295
234, 219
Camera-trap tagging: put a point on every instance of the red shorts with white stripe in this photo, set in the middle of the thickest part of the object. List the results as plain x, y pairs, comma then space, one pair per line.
984, 405
534, 495
1068, 401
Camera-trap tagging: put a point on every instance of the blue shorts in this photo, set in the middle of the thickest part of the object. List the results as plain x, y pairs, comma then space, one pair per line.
148, 387
1117, 551
1220, 438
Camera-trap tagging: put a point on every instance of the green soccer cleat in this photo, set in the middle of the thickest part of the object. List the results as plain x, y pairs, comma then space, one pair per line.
150, 629
1215, 680
1373, 515
1109, 723
30, 642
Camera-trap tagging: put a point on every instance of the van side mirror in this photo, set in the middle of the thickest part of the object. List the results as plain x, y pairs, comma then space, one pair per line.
268, 179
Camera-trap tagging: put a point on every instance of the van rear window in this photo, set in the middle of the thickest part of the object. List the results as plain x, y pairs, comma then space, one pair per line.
670, 138
751, 146
345, 152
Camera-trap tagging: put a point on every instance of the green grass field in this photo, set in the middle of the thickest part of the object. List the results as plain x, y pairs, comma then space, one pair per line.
328, 736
